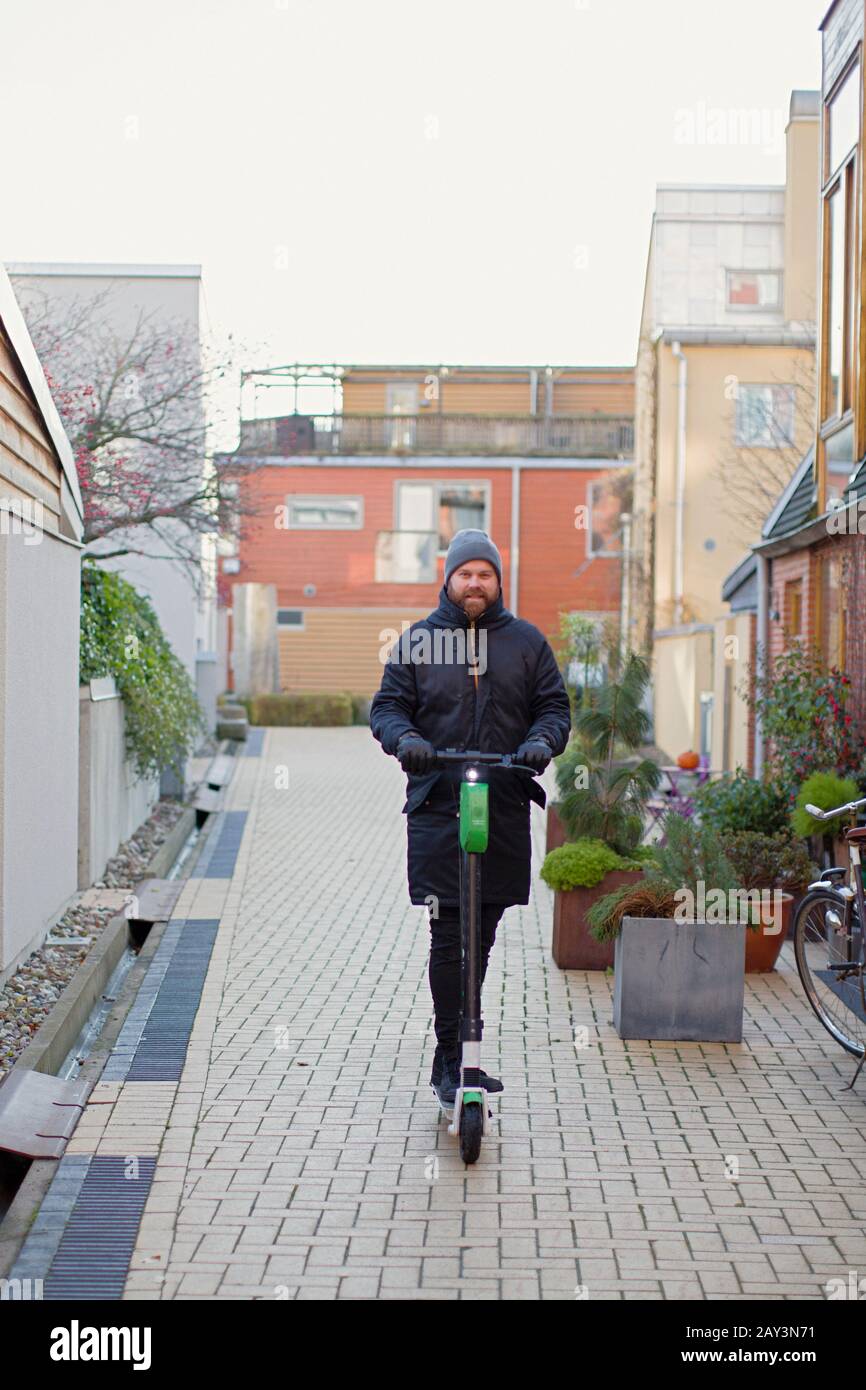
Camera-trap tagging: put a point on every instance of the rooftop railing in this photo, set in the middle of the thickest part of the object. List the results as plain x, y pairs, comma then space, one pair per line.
574, 436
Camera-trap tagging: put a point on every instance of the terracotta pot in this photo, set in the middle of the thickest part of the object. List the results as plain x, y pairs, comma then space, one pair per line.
574, 947
763, 947
556, 835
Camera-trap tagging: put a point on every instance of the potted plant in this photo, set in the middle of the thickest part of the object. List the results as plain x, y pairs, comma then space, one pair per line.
777, 865
806, 716
603, 792
587, 651
574, 871
679, 958
742, 802
825, 790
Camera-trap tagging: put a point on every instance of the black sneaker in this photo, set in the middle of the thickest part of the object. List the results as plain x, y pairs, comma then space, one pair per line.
449, 1080
490, 1083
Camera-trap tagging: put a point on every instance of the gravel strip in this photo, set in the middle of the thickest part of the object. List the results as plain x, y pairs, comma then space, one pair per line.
30, 994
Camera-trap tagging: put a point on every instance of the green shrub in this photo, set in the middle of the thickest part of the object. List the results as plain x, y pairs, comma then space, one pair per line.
121, 637
361, 708
742, 802
824, 790
582, 864
603, 795
290, 710
803, 706
692, 854
769, 861
645, 854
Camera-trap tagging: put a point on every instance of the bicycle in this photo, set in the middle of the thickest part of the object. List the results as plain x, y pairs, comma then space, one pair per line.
469, 1115
829, 943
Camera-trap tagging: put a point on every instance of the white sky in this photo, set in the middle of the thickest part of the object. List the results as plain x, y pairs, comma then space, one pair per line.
385, 180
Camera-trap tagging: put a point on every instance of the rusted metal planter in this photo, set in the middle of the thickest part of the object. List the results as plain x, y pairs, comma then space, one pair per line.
574, 947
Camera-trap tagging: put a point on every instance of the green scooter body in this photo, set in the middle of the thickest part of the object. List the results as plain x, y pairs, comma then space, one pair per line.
474, 817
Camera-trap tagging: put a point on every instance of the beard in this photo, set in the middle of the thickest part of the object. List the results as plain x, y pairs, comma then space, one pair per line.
477, 602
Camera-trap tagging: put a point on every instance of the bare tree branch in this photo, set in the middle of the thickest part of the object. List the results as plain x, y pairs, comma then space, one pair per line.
134, 404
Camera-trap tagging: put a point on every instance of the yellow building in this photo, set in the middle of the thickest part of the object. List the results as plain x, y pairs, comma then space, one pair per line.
724, 411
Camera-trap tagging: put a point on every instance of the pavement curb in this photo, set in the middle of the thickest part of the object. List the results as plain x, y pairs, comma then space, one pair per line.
56, 1035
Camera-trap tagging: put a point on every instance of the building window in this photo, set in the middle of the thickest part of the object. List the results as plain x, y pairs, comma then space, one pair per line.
843, 121
833, 616
708, 700
754, 289
764, 416
405, 557
291, 618
840, 295
839, 459
838, 289
794, 608
401, 399
444, 507
306, 513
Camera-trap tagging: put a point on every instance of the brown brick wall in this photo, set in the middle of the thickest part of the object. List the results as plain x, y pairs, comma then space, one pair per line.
554, 569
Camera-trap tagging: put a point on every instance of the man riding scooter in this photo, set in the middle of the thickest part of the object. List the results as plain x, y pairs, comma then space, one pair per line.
469, 676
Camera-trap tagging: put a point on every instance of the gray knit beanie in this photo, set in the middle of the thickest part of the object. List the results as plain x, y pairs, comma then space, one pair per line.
470, 544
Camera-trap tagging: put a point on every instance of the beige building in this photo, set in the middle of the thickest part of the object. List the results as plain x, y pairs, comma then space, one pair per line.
724, 411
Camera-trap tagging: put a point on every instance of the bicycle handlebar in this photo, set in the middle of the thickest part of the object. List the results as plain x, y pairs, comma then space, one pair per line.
840, 810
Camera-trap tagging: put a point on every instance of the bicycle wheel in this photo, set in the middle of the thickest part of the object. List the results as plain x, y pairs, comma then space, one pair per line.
827, 949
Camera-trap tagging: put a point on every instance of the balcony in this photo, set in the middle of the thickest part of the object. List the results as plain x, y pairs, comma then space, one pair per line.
569, 436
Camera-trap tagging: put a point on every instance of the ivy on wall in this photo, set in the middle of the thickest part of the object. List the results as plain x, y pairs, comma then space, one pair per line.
121, 637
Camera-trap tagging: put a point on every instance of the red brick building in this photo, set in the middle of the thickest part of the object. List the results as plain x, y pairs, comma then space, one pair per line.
354, 509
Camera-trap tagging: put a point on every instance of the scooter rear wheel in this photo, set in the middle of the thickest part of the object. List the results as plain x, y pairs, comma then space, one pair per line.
471, 1130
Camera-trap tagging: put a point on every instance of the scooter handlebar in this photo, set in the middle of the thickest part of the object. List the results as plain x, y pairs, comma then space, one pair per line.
457, 755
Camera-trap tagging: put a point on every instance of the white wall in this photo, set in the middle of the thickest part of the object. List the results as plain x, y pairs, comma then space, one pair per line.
113, 800
39, 622
701, 232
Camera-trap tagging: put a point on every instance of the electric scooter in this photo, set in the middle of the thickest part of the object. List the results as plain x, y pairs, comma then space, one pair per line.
469, 1115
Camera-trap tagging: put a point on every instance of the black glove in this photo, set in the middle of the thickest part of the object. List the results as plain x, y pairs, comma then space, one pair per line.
535, 753
415, 754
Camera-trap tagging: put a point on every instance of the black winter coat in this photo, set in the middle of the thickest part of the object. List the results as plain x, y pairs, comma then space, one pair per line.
520, 694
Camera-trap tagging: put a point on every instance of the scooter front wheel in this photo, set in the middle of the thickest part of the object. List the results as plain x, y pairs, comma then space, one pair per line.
471, 1130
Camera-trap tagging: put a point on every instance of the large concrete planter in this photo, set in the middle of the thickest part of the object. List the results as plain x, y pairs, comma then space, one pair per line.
574, 947
679, 981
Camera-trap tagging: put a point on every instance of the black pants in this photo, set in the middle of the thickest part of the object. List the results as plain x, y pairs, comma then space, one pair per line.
444, 972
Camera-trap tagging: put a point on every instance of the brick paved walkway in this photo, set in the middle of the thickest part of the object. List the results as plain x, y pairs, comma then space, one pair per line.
304, 1156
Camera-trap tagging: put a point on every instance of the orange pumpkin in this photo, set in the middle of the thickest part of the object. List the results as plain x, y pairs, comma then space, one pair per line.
688, 761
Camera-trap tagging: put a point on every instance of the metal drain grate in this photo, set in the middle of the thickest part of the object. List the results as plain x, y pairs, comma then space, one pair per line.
161, 1051
223, 855
95, 1250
